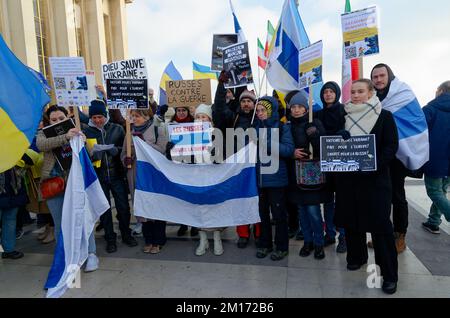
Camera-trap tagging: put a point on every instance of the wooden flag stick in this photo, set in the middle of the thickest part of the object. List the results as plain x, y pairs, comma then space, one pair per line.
128, 135
76, 114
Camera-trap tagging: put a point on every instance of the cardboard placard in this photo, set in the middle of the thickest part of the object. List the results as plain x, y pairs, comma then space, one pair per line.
70, 81
126, 69
360, 30
311, 61
236, 61
188, 93
127, 94
221, 41
356, 154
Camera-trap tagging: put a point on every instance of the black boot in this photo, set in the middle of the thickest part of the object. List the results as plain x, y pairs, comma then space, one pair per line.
182, 230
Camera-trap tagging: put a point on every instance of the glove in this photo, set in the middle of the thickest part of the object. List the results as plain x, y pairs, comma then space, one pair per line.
128, 161
345, 134
311, 130
138, 134
224, 76
114, 151
28, 161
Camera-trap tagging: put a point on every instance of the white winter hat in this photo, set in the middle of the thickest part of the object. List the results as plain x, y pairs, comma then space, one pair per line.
204, 109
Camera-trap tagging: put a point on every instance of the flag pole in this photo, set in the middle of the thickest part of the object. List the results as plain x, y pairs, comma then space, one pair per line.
128, 134
310, 102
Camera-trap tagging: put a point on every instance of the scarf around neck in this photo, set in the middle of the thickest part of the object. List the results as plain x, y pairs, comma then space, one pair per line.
361, 118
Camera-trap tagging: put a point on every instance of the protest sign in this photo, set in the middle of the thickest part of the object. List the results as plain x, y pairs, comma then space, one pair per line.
236, 61
188, 93
123, 94
62, 154
356, 154
90, 75
190, 138
127, 94
311, 61
70, 81
126, 69
221, 41
360, 30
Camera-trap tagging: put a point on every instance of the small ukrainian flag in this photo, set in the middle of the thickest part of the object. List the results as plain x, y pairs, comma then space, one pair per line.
22, 99
203, 72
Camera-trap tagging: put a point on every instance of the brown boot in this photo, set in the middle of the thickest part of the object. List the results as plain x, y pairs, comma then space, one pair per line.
400, 242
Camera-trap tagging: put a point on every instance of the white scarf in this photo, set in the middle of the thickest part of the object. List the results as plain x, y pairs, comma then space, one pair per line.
361, 118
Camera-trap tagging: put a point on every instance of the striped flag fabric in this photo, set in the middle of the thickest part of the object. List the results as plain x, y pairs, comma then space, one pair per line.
200, 195
237, 27
22, 100
262, 59
270, 35
203, 72
84, 203
413, 149
170, 74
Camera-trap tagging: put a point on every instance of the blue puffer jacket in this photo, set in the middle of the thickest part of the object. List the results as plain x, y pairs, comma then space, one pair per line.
286, 148
437, 113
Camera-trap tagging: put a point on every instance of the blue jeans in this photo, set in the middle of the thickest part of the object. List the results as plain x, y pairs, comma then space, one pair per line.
312, 224
328, 209
8, 218
55, 205
437, 189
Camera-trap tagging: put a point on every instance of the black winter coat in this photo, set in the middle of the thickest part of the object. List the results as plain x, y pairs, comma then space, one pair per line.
363, 199
302, 140
111, 167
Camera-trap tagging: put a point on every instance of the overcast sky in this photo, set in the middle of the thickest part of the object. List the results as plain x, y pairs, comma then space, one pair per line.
414, 35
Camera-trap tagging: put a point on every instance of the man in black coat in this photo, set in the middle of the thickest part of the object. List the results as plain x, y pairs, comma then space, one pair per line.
111, 174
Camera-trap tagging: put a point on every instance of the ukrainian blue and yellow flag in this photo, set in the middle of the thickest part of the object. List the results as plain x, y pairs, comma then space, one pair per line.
170, 74
203, 72
22, 99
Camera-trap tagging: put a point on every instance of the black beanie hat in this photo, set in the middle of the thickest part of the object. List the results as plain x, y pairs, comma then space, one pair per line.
97, 107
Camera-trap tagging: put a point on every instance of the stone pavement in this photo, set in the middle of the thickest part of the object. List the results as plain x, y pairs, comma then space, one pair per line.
424, 269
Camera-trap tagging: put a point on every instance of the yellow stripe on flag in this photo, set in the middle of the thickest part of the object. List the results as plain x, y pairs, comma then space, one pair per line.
14, 142
199, 75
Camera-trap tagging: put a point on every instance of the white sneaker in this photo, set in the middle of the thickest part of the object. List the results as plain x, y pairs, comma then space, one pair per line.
137, 229
91, 263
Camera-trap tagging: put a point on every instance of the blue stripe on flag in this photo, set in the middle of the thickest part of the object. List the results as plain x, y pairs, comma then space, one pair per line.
289, 57
191, 139
410, 120
243, 185
89, 174
59, 264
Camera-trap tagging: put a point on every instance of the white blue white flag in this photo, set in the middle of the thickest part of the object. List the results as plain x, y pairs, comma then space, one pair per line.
205, 196
84, 203
412, 126
237, 27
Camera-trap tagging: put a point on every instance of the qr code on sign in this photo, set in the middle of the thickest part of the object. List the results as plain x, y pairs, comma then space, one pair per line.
350, 52
60, 83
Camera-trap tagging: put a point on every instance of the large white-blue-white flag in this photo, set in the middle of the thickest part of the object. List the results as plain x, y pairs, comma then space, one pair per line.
205, 196
237, 27
412, 126
84, 203
283, 68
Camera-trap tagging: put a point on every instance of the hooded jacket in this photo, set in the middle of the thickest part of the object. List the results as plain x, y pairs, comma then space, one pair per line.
333, 117
437, 113
286, 147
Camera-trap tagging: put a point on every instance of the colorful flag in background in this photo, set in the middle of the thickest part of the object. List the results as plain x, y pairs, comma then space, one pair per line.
270, 35
22, 100
237, 27
203, 72
170, 74
262, 59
